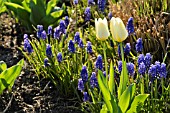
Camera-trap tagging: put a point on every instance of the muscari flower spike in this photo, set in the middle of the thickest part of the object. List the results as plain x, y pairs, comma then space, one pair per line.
142, 68
46, 62
152, 72
130, 68
89, 47
90, 2
110, 15
57, 33
163, 71
77, 37
99, 62
86, 96
130, 26
119, 66
101, 5
80, 85
48, 51
87, 14
27, 45
80, 44
59, 57
141, 58
84, 74
50, 30
66, 20
127, 49
39, 30
93, 80
139, 46
147, 60
75, 2
71, 47
62, 26
43, 35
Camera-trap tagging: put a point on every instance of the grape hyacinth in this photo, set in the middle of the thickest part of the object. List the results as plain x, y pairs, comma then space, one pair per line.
127, 49
27, 45
57, 33
139, 46
130, 26
59, 57
130, 68
84, 74
158, 68
89, 47
99, 63
46, 62
119, 66
80, 44
141, 58
87, 14
101, 5
62, 26
110, 15
75, 2
90, 2
39, 30
163, 71
142, 68
147, 60
77, 37
66, 20
50, 30
152, 72
43, 35
48, 51
86, 96
80, 85
71, 47
93, 80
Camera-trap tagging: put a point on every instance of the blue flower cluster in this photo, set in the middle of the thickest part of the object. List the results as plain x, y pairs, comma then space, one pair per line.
99, 62
89, 47
126, 49
50, 28
90, 2
139, 45
130, 68
71, 47
145, 59
46, 64
39, 30
27, 45
87, 14
59, 57
101, 5
48, 51
84, 74
93, 80
130, 26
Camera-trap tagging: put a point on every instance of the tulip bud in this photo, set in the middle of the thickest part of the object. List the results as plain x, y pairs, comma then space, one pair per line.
102, 31
118, 29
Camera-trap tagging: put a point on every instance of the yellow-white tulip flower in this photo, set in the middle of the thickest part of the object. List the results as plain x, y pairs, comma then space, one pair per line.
102, 31
118, 30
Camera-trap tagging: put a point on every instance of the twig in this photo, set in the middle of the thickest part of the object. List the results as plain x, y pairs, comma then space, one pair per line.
9, 104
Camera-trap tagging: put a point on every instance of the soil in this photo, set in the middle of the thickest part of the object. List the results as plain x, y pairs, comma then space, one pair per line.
29, 93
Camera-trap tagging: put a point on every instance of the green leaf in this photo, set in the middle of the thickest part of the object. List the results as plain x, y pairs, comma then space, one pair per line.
51, 18
123, 79
3, 66
111, 79
109, 99
104, 109
51, 4
138, 99
36, 9
12, 6
126, 97
8, 76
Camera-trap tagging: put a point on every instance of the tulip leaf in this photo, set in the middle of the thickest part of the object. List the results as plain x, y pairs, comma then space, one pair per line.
8, 76
109, 99
126, 97
138, 99
13, 7
111, 79
123, 79
3, 66
51, 4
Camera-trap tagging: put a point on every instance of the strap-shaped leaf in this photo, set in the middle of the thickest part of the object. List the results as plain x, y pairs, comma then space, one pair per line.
51, 4
109, 99
138, 99
126, 97
3, 66
8, 76
123, 79
111, 79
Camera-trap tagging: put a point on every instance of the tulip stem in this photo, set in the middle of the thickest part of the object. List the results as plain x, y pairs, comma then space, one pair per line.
122, 52
105, 59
